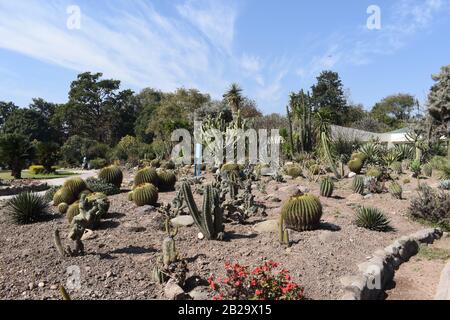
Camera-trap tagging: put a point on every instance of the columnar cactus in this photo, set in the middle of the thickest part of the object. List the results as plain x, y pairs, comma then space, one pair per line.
146, 175
166, 180
326, 149
233, 183
326, 187
358, 184
396, 190
111, 174
210, 219
169, 250
145, 194
283, 232
302, 213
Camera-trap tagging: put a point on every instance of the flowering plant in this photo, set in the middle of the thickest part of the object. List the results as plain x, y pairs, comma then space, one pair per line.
261, 283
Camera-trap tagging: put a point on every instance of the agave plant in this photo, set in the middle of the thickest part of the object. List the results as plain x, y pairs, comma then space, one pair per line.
372, 219
404, 151
371, 151
26, 207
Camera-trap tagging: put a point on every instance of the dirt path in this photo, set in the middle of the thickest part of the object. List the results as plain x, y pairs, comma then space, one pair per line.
418, 278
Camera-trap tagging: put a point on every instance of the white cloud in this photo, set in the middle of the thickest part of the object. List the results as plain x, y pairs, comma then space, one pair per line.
250, 63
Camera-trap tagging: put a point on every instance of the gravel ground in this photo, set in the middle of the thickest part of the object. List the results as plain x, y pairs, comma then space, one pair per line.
119, 258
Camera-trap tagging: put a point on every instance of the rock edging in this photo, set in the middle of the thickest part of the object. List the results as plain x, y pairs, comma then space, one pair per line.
375, 274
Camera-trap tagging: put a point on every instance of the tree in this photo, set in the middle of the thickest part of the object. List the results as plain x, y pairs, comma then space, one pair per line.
77, 147
328, 96
394, 110
16, 151
46, 154
30, 123
148, 101
233, 97
439, 103
6, 108
249, 109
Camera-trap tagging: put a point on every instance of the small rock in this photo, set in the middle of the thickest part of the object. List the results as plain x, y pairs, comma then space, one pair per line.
351, 174
369, 195
182, 221
108, 274
31, 285
200, 236
200, 293
145, 209
266, 226
88, 235
173, 291
272, 198
41, 284
133, 227
328, 236
53, 287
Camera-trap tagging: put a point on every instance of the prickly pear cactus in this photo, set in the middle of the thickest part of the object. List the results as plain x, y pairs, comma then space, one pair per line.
326, 187
302, 213
111, 174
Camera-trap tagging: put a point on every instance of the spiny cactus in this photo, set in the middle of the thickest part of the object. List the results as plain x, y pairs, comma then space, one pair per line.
169, 250
210, 219
75, 185
155, 163
230, 167
283, 232
168, 165
427, 170
166, 180
146, 175
111, 174
326, 149
72, 211
130, 196
233, 181
63, 195
145, 194
302, 213
372, 219
358, 184
74, 208
326, 187
397, 167
355, 165
293, 171
63, 207
396, 190
86, 192
26, 207
374, 172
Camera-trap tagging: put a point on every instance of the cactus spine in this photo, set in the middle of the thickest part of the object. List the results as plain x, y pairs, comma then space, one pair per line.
358, 184
326, 187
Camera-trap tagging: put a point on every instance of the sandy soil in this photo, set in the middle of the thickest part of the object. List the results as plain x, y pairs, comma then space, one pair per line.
119, 259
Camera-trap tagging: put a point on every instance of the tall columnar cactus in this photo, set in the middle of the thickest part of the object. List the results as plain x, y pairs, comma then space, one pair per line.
302, 213
111, 174
233, 182
328, 155
210, 219
326, 187
146, 175
75, 185
396, 190
166, 180
358, 184
145, 194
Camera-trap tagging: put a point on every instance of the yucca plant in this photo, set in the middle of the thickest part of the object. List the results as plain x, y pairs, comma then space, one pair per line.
26, 207
372, 219
371, 151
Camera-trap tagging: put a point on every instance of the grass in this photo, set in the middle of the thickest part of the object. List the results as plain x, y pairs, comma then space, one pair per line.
429, 253
6, 175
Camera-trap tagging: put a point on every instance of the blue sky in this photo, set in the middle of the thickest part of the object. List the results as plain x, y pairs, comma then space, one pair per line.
269, 47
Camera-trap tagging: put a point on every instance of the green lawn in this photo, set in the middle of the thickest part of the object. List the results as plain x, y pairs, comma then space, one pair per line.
6, 175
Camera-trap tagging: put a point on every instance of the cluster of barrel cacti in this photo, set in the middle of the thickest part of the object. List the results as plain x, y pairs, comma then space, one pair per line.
69, 193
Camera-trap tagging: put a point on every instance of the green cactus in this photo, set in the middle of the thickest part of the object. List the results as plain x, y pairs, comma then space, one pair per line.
230, 167
75, 186
130, 196
397, 167
283, 232
302, 213
396, 190
293, 171
169, 251
74, 209
355, 165
111, 174
166, 180
63, 207
168, 165
374, 172
86, 192
326, 187
358, 184
233, 181
155, 163
63, 195
372, 219
146, 175
210, 219
145, 194
427, 170
326, 149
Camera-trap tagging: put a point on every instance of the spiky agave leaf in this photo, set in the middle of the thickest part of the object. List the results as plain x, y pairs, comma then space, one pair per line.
372, 219
26, 207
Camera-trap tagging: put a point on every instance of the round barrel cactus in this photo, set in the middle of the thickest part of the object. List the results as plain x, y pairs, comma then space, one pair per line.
326, 187
155, 163
293, 171
111, 174
355, 165
169, 165
230, 167
166, 180
72, 211
75, 185
130, 196
146, 175
396, 190
374, 172
63, 195
397, 167
302, 213
145, 194
358, 184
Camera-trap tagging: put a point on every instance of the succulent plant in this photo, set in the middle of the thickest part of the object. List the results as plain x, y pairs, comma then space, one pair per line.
130, 196
302, 212
374, 172
86, 192
293, 171
326, 187
72, 211
97, 185
358, 184
283, 232
112, 175
75, 186
416, 168
355, 165
63, 195
155, 163
169, 250
230, 167
145, 194
63, 207
168, 165
166, 180
371, 151
396, 190
326, 149
372, 219
146, 175
445, 174
427, 170
210, 219
26, 207
48, 196
74, 208
396, 167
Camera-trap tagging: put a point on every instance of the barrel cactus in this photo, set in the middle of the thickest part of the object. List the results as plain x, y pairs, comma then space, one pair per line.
75, 185
166, 180
396, 190
169, 165
427, 170
146, 175
374, 172
355, 165
358, 184
145, 194
326, 187
63, 207
302, 212
72, 211
63, 195
155, 163
130, 196
397, 167
111, 174
293, 171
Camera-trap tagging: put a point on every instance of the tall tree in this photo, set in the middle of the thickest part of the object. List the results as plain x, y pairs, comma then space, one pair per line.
328, 96
148, 101
394, 110
16, 151
6, 108
233, 97
30, 123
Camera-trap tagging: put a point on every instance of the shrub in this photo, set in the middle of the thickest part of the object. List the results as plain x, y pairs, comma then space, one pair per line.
26, 207
262, 283
439, 162
372, 219
98, 163
36, 169
75, 148
445, 175
100, 186
431, 206
47, 154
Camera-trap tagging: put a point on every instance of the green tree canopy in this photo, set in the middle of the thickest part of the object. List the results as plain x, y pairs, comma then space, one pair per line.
6, 108
30, 123
394, 110
16, 151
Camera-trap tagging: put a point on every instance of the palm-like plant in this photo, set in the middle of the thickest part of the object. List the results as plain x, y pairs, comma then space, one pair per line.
26, 207
233, 97
372, 219
15, 151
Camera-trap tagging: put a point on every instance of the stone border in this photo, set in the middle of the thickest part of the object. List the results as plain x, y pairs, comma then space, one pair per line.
13, 190
375, 274
443, 290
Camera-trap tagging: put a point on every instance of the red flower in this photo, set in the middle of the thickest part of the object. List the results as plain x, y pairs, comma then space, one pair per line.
253, 283
258, 292
238, 283
256, 270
